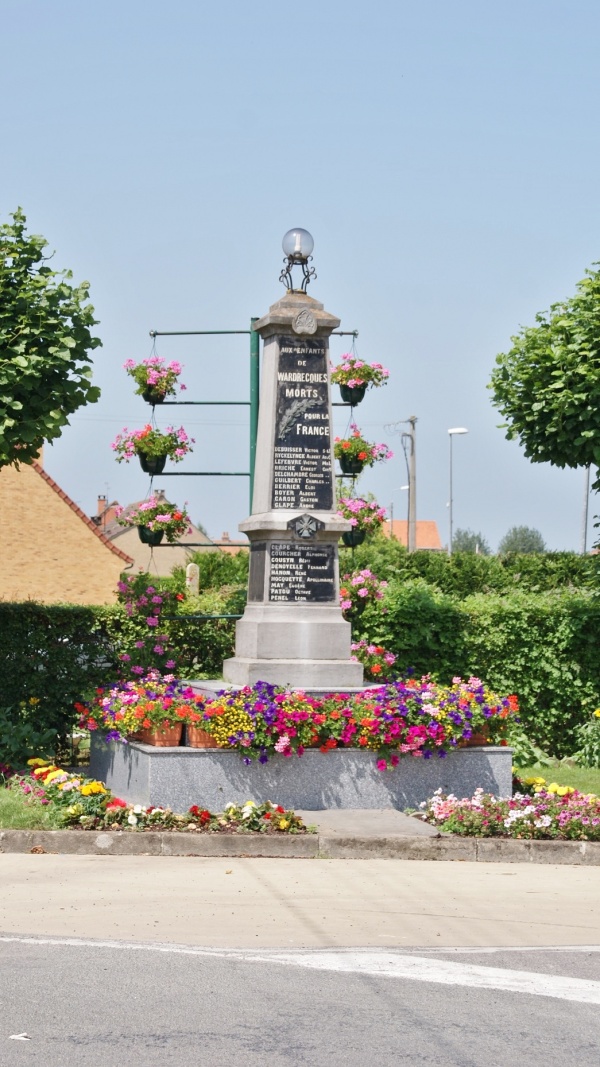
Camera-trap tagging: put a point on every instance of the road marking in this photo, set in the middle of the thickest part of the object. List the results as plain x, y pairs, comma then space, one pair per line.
378, 963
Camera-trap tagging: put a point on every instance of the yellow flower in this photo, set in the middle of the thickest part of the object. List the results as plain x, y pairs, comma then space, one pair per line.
597, 713
560, 790
534, 781
34, 700
53, 774
283, 824
37, 762
92, 787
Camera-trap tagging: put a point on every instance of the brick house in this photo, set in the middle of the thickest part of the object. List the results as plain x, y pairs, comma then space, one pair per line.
50, 550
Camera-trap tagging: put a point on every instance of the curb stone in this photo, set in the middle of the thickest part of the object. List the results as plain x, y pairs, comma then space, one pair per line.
296, 846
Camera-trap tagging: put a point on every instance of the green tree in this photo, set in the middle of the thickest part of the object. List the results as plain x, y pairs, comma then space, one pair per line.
547, 386
45, 341
522, 539
468, 541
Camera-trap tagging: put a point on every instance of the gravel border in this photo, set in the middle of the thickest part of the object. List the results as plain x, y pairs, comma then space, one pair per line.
299, 846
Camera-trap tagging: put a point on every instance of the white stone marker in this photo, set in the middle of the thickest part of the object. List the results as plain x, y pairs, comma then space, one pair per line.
292, 631
192, 579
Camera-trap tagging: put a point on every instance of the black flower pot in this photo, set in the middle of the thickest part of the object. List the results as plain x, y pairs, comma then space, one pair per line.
351, 465
354, 537
152, 464
352, 394
356, 610
151, 397
150, 537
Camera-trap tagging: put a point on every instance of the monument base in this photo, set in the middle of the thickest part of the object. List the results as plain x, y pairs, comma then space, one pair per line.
303, 674
344, 778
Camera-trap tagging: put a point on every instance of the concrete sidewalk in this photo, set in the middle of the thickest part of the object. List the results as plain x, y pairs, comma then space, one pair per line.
233, 902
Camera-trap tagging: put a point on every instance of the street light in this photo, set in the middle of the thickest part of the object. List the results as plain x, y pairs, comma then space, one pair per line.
409, 438
454, 430
297, 245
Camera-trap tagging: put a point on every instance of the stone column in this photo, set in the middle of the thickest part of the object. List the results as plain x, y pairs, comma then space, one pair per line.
293, 631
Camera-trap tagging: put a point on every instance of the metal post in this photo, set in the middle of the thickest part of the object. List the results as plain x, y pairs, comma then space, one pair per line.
254, 399
586, 504
450, 502
412, 486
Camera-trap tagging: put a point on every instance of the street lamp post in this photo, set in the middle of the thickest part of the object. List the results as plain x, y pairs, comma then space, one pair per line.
451, 433
409, 438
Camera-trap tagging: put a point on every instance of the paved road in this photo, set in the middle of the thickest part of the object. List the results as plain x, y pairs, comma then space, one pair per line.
262, 963
100, 1006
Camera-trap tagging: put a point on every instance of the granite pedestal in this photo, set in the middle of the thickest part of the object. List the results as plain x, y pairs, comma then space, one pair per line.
179, 777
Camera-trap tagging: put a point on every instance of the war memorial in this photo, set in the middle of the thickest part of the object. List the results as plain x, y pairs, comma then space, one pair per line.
293, 632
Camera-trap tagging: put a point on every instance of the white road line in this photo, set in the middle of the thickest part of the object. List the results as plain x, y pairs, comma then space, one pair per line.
378, 963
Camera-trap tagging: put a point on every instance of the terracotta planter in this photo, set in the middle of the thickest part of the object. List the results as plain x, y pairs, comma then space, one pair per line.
169, 737
152, 464
476, 741
352, 394
353, 537
350, 465
150, 537
196, 737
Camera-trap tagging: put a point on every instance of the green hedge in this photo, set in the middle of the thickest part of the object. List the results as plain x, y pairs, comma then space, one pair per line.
465, 573
52, 653
544, 647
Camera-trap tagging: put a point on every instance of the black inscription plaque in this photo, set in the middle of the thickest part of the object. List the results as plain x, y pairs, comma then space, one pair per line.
302, 473
256, 581
301, 572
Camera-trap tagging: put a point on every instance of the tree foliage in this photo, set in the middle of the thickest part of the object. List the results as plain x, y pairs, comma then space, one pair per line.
469, 541
45, 341
522, 539
547, 386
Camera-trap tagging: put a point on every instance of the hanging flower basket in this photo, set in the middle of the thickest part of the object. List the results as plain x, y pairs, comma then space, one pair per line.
352, 394
364, 516
155, 518
354, 376
152, 464
150, 537
154, 378
152, 446
351, 465
353, 538
152, 397
355, 452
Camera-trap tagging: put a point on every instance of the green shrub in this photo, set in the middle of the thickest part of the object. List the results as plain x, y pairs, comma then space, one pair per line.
465, 573
543, 647
52, 653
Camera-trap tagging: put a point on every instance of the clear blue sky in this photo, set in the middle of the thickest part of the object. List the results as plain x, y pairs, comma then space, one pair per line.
444, 156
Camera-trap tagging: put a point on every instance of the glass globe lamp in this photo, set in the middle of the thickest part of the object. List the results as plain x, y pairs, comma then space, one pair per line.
298, 245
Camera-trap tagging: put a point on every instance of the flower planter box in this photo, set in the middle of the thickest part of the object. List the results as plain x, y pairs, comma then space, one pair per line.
179, 777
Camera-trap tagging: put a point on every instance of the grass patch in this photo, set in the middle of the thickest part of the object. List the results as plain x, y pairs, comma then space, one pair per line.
584, 779
17, 812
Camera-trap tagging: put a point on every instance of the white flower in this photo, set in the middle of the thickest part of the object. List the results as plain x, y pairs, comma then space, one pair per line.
132, 820
543, 821
138, 809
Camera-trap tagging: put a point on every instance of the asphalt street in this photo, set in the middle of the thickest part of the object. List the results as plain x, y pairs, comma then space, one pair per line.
138, 960
102, 1006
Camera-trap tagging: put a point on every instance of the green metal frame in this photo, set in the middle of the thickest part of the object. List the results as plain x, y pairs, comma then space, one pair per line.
252, 403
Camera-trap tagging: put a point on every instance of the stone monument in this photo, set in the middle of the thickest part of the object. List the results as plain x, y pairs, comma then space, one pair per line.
292, 631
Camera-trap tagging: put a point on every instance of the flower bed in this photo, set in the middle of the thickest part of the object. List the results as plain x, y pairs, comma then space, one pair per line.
409, 717
552, 812
85, 804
